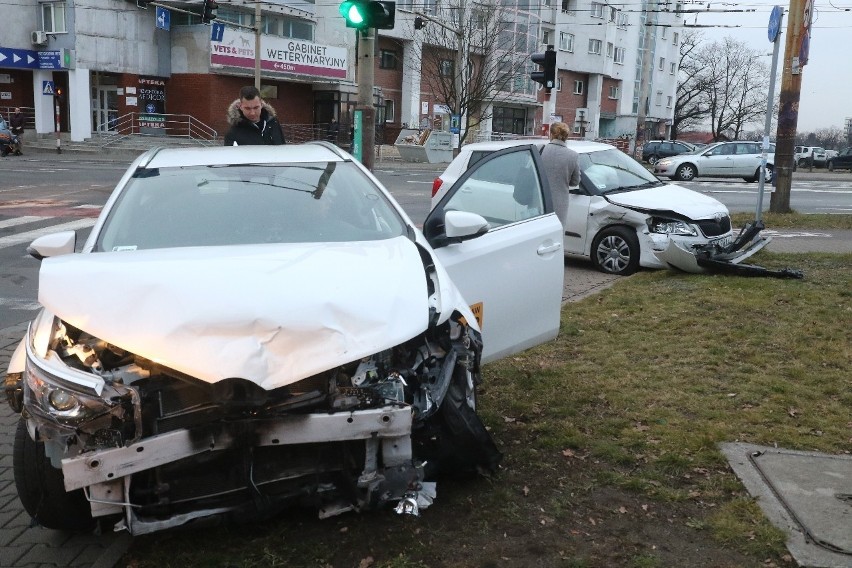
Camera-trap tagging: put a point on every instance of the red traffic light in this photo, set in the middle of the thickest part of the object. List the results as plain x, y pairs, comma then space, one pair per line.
547, 75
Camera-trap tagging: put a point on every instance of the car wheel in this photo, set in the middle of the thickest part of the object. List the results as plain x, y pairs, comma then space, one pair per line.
831, 166
686, 172
750, 179
803, 163
42, 490
770, 171
615, 250
653, 159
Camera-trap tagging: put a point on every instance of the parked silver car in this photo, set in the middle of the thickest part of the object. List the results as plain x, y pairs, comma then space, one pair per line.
723, 159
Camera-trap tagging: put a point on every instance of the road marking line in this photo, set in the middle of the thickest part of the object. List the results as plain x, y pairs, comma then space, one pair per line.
28, 236
21, 221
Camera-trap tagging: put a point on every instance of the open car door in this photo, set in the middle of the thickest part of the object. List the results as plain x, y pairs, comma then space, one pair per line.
511, 270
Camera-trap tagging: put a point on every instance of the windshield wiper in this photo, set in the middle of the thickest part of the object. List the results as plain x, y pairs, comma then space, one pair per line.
635, 187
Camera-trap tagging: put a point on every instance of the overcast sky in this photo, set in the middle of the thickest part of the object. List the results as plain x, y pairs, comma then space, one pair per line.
826, 98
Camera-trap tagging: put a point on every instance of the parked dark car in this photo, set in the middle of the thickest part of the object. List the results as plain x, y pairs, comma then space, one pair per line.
656, 149
842, 161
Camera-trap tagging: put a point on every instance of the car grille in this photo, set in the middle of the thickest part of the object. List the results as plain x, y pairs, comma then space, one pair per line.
714, 228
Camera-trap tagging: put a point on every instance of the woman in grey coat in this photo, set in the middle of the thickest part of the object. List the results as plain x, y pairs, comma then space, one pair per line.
561, 168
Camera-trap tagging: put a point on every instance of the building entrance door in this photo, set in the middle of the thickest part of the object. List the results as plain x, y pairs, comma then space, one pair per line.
104, 108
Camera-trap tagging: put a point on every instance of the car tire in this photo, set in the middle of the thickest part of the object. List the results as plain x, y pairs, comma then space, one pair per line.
615, 250
686, 172
770, 173
653, 159
42, 490
803, 162
750, 179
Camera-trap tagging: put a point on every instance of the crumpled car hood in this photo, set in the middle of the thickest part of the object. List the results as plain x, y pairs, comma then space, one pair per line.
670, 197
272, 314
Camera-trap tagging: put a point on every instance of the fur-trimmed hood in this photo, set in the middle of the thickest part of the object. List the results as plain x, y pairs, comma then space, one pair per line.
235, 116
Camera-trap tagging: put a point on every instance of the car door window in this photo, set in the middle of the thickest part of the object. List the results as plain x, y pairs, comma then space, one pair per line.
504, 190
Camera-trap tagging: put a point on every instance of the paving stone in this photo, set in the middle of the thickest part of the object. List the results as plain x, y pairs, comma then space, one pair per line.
47, 537
11, 555
51, 556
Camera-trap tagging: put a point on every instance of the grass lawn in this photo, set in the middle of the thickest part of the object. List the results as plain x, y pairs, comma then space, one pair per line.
610, 436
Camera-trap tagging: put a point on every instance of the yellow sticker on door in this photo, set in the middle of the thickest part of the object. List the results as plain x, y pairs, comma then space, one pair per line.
477, 312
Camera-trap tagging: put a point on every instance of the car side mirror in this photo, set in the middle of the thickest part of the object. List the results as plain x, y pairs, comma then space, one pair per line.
463, 225
55, 244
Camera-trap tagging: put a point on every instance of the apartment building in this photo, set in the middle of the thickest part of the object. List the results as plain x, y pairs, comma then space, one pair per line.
111, 58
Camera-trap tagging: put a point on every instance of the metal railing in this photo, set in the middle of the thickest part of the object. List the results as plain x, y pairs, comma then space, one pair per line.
28, 112
154, 125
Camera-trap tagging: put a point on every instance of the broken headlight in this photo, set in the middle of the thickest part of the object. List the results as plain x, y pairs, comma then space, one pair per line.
671, 227
63, 402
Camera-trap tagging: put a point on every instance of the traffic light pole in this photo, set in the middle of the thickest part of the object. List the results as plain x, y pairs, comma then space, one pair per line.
366, 81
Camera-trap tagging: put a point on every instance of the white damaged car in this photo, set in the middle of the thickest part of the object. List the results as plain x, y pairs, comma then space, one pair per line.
621, 216
247, 329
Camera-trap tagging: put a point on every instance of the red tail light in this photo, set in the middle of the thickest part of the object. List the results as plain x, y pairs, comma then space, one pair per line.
436, 185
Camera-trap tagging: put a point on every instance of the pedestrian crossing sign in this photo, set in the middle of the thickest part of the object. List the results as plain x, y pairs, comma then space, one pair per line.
47, 88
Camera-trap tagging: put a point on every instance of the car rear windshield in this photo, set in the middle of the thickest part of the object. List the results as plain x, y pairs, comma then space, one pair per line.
248, 204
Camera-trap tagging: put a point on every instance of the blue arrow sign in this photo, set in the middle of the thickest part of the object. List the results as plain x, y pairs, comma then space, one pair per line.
217, 31
164, 18
18, 58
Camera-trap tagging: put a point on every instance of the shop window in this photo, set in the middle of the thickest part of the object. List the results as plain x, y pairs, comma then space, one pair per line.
389, 110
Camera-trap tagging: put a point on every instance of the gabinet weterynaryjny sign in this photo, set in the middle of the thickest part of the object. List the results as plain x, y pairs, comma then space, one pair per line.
279, 54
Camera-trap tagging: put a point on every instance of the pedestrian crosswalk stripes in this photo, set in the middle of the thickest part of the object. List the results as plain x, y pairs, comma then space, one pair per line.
28, 236
20, 221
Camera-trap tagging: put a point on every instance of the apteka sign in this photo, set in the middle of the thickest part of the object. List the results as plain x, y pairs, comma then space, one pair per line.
284, 55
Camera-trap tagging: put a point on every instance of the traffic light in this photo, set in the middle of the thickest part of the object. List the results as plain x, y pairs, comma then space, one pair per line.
364, 14
208, 11
547, 75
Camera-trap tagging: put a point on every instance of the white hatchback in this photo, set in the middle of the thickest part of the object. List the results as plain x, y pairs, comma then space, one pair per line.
619, 216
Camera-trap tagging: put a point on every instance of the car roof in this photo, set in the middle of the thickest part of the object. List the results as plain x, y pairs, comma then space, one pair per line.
577, 145
236, 155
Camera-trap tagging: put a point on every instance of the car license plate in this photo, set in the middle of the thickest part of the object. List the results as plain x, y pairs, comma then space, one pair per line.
724, 241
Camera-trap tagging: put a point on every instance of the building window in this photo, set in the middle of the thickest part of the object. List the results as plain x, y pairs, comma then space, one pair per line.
559, 84
659, 99
612, 14
387, 59
619, 55
662, 63
672, 68
577, 129
597, 10
622, 20
53, 17
675, 38
566, 41
595, 46
663, 32
613, 92
609, 49
446, 69
240, 17
668, 102
389, 110
298, 29
578, 87
545, 37
271, 25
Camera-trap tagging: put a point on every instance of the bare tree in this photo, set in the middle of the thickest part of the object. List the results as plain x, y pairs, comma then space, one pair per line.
829, 138
475, 54
688, 109
722, 83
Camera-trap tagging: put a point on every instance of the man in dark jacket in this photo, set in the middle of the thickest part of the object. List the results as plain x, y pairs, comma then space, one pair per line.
252, 121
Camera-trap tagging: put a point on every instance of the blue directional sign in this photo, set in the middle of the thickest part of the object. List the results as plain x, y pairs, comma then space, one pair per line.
217, 31
164, 18
18, 58
49, 59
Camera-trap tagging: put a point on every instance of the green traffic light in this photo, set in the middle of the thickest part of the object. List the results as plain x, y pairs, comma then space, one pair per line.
353, 12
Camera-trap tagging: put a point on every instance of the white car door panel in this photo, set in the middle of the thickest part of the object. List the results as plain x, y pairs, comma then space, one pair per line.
512, 275
577, 222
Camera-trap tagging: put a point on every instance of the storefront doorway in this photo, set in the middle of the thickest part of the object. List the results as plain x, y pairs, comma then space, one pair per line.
104, 108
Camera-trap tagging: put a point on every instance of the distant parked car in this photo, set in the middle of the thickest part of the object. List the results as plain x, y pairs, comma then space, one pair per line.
803, 154
656, 149
723, 159
842, 161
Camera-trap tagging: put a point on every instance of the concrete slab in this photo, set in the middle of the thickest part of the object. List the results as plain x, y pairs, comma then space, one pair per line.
806, 494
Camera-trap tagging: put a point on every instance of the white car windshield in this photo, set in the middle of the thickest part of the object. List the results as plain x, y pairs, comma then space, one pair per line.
248, 204
613, 170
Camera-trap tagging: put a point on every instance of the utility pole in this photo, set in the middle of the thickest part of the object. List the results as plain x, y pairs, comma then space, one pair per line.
257, 16
366, 79
788, 113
